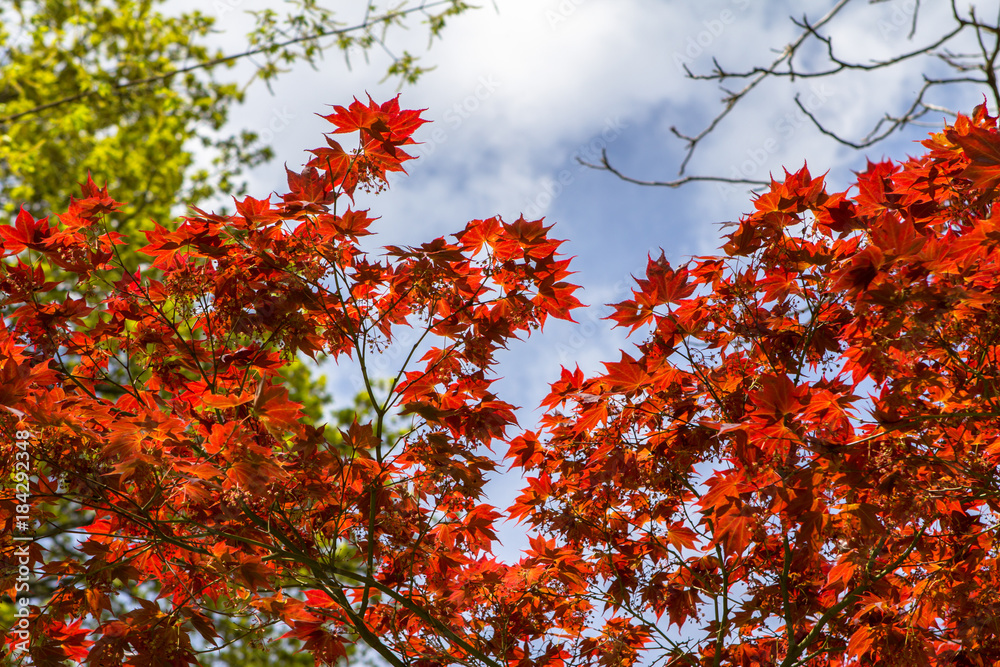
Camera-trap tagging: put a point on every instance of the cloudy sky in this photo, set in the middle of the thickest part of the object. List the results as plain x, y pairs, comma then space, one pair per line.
523, 88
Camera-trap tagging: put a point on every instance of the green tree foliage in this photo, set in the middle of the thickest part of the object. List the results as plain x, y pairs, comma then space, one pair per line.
119, 88
81, 51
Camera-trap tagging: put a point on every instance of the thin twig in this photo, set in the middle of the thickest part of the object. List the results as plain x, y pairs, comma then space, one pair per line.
218, 61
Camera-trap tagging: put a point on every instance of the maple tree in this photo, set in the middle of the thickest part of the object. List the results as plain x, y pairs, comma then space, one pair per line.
158, 413
798, 464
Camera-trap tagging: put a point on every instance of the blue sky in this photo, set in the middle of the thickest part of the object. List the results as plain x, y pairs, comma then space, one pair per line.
522, 89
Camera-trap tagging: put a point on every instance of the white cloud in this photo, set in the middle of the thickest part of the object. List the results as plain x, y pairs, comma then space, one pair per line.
518, 93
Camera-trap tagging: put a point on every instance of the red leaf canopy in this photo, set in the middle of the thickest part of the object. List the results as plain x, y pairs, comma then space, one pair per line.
798, 465
162, 431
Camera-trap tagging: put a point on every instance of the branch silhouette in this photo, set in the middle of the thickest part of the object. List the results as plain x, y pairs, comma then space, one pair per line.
978, 68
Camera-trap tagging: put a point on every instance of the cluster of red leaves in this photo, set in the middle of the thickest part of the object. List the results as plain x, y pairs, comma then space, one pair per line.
160, 420
799, 466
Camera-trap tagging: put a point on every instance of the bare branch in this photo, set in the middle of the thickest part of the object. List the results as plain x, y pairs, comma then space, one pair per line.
978, 67
916, 111
606, 166
732, 99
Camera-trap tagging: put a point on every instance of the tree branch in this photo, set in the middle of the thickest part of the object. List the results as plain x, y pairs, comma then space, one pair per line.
208, 64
